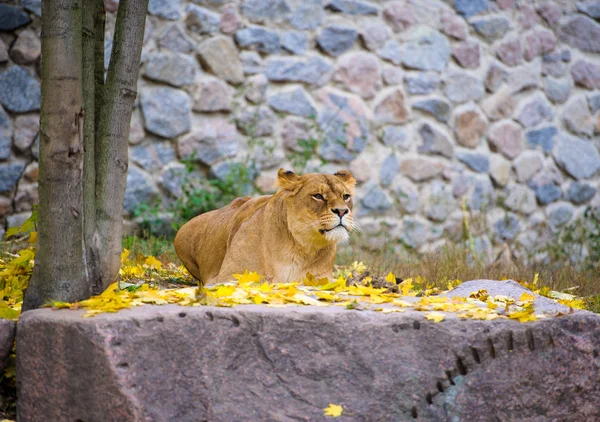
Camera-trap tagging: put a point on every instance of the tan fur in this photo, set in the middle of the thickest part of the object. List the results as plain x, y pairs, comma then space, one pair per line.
282, 236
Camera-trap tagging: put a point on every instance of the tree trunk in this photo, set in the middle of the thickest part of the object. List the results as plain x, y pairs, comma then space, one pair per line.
118, 96
60, 268
83, 150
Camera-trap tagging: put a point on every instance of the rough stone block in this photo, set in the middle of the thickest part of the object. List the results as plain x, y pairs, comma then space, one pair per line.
8, 330
189, 364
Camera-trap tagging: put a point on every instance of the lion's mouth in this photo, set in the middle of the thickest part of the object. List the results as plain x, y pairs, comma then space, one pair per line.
323, 231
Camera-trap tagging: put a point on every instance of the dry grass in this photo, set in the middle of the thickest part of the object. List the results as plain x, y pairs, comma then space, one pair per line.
453, 262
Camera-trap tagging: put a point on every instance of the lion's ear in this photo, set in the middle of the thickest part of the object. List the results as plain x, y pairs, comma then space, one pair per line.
346, 177
288, 180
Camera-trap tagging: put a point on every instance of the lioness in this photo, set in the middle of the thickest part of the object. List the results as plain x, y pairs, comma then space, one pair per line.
281, 236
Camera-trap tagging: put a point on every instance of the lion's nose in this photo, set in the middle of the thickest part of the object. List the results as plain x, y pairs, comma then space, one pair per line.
340, 211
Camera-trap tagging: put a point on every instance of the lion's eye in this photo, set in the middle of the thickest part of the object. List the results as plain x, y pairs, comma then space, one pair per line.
346, 197
319, 197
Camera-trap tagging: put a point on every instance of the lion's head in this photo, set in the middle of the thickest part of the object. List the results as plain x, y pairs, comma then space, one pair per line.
319, 206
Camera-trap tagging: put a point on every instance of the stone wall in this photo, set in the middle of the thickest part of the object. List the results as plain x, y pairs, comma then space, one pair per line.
428, 103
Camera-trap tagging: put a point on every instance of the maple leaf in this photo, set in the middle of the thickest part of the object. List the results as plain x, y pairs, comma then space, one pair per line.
310, 280
526, 297
390, 278
333, 410
406, 287
247, 278
153, 263
435, 316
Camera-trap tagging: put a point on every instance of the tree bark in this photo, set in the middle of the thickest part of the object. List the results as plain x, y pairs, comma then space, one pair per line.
60, 272
84, 136
118, 95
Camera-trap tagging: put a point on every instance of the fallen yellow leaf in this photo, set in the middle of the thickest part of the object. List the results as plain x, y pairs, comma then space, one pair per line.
435, 316
333, 410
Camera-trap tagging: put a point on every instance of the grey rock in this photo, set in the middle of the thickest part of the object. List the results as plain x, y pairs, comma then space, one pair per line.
215, 140
389, 107
467, 54
438, 108
153, 156
256, 121
425, 49
421, 83
590, 8
577, 117
560, 213
376, 200
27, 48
546, 193
6, 133
395, 136
167, 111
426, 345
12, 17
336, 39
391, 52
308, 14
265, 10
174, 38
507, 227
511, 289
581, 32
140, 189
9, 175
312, 70
19, 91
8, 331
579, 192
534, 111
343, 122
26, 128
172, 177
495, 77
168, 9
438, 201
201, 20
251, 62
555, 64
256, 88
507, 138
3, 52
230, 170
481, 194
469, 126
594, 103
415, 232
528, 164
420, 169
35, 148
260, 38
173, 68
434, 142
407, 195
295, 42
293, 101
33, 6
392, 75
374, 33
476, 161
108, 45
212, 94
353, 7
577, 157
557, 91
389, 169
468, 8
586, 74
230, 20
521, 199
491, 28
500, 170
543, 138
360, 73
462, 87
219, 55
509, 51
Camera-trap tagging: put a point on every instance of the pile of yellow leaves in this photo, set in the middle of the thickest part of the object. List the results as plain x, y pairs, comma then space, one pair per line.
141, 279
